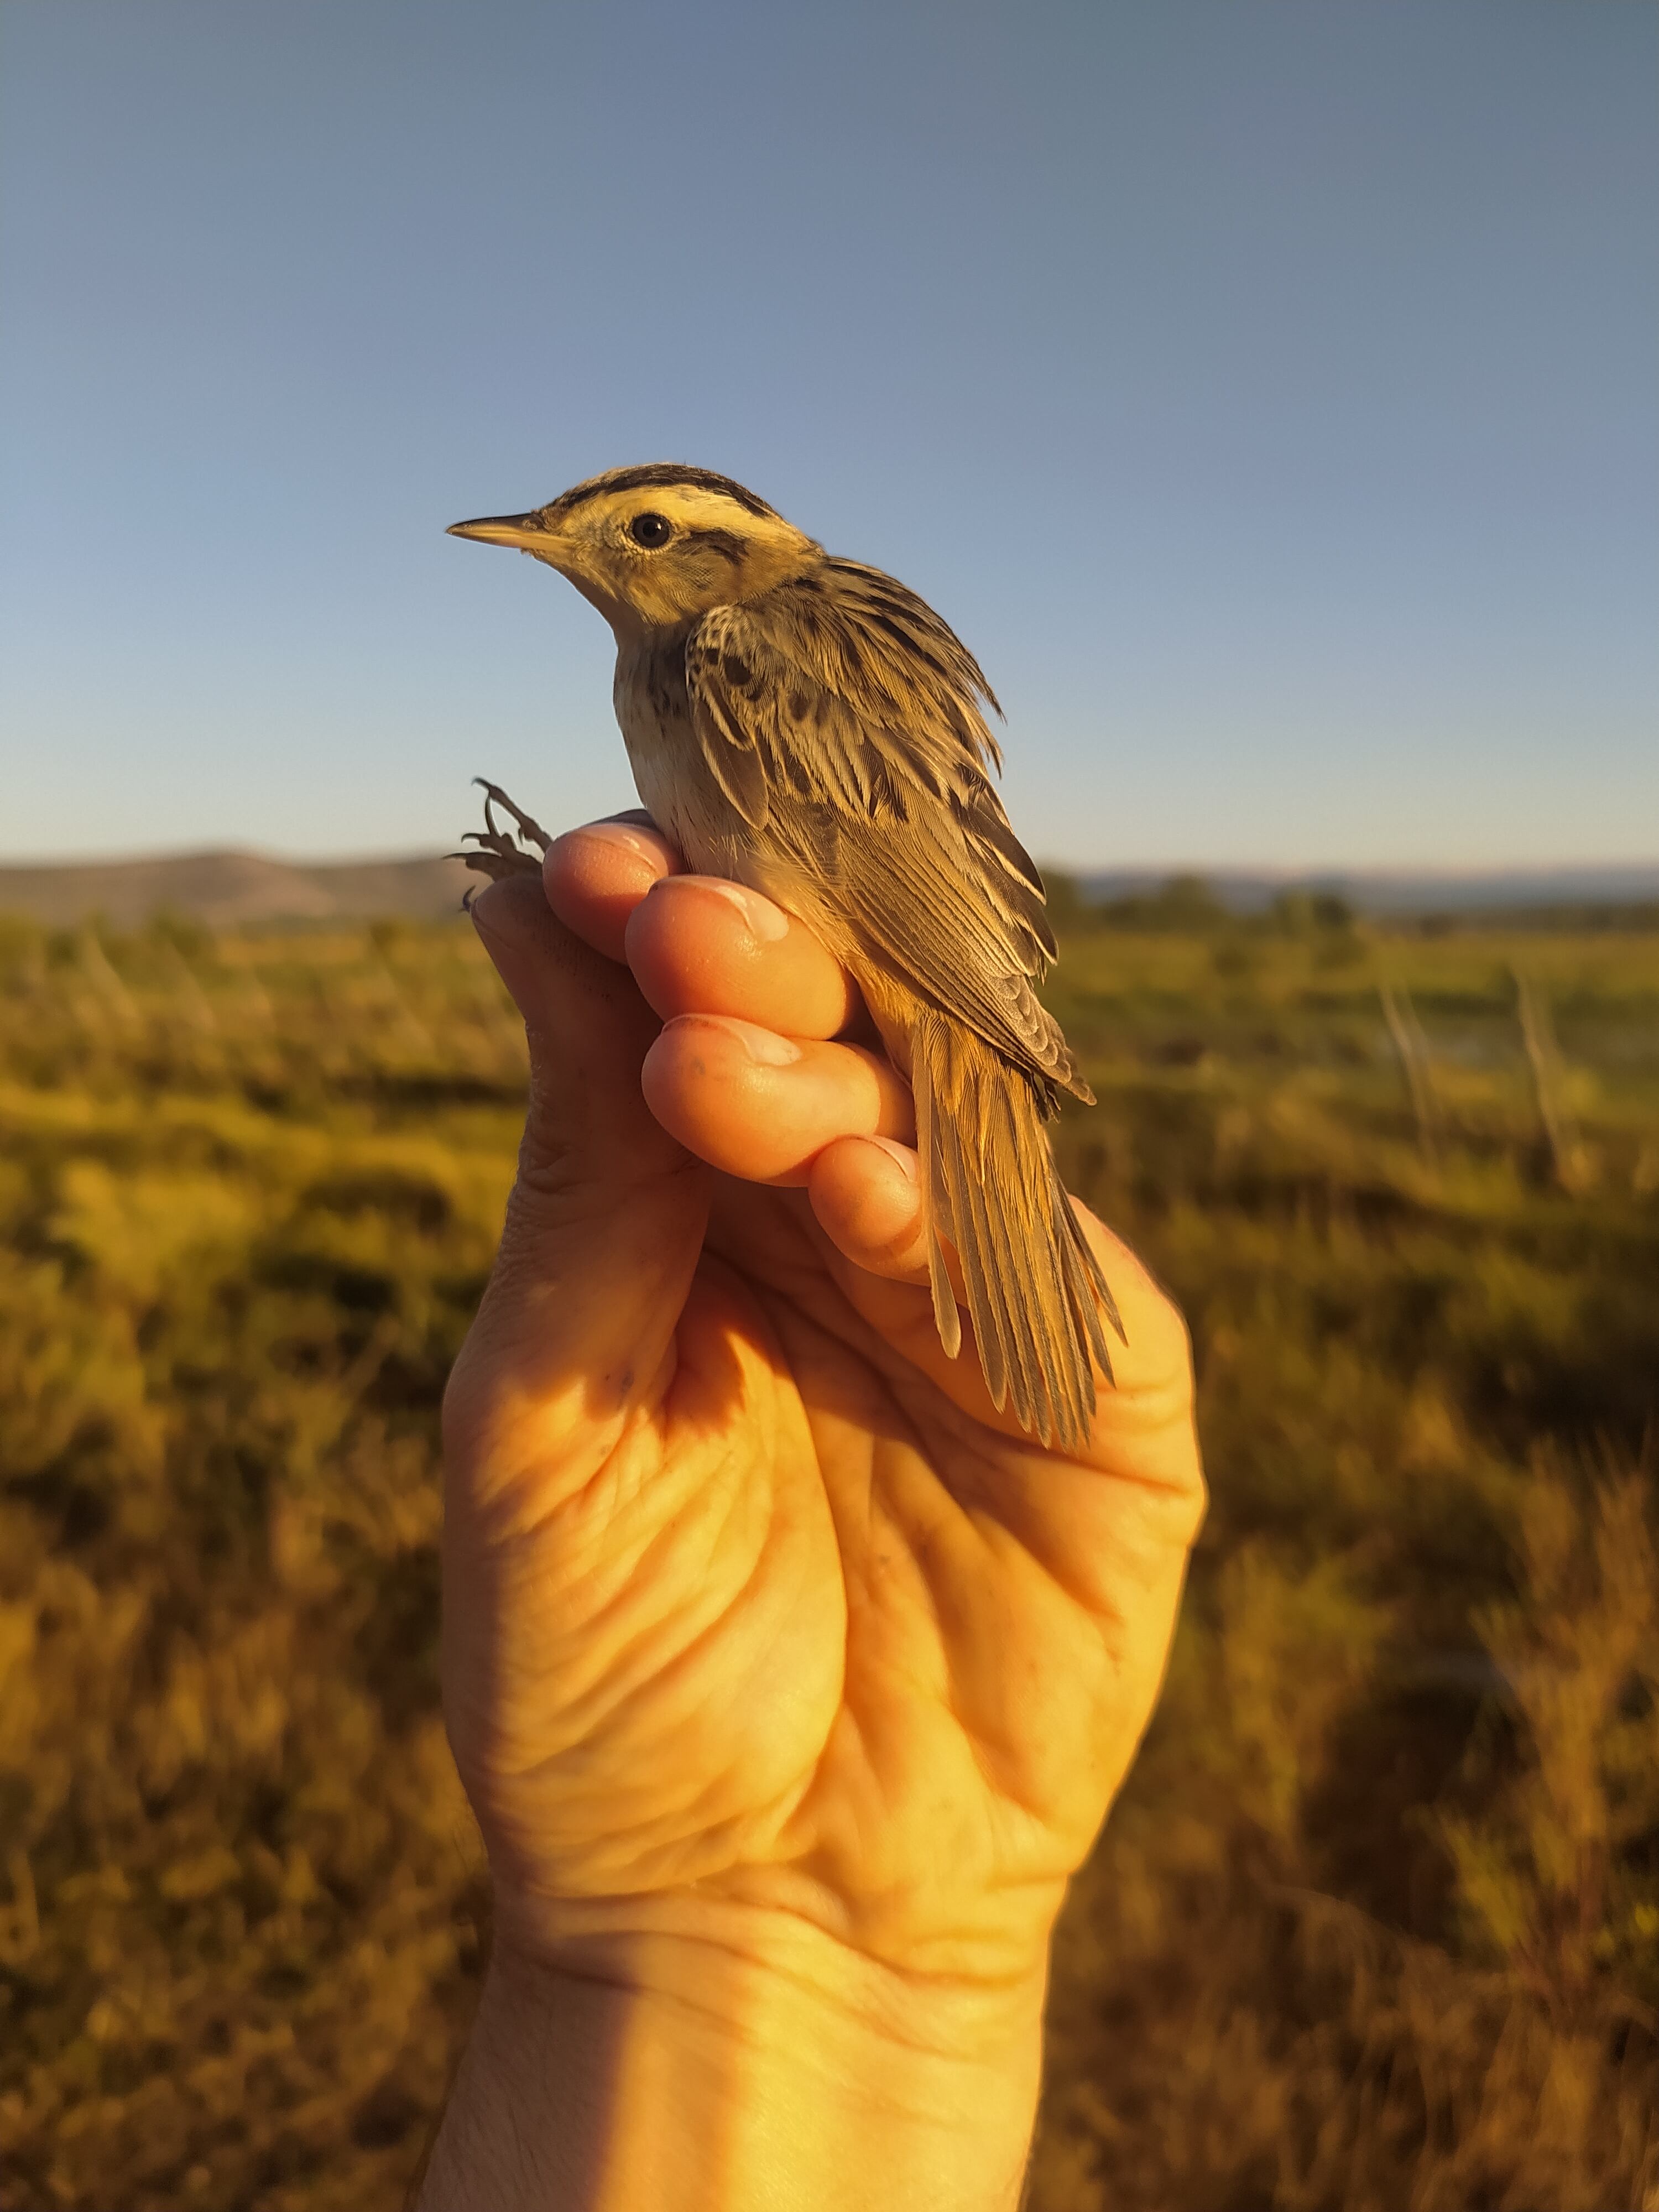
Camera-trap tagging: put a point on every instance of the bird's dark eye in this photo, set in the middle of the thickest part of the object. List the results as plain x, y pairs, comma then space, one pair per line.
651, 530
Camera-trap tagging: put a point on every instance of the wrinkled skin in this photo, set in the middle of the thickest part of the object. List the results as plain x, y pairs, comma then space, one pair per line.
761, 1625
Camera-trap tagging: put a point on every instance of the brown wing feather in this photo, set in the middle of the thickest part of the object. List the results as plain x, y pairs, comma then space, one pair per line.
839, 711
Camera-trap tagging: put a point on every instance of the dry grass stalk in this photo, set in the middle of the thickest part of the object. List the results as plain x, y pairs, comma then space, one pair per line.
1569, 1161
1411, 1050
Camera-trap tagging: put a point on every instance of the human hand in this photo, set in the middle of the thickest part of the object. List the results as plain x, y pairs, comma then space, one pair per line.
789, 1680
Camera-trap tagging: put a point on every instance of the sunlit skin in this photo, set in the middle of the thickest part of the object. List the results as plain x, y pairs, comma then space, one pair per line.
789, 1681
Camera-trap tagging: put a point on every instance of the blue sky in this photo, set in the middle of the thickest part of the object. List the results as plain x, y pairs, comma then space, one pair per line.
1265, 391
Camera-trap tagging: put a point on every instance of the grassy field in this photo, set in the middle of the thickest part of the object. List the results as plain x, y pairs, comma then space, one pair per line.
1376, 1923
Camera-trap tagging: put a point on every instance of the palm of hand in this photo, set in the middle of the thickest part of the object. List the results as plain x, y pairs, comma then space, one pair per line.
752, 1590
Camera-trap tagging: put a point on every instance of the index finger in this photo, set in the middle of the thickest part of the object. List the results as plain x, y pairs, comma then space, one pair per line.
595, 877
697, 944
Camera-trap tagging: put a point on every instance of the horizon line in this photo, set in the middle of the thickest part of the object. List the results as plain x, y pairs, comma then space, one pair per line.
1287, 870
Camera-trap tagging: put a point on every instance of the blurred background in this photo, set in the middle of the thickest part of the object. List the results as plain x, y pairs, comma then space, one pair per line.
1266, 393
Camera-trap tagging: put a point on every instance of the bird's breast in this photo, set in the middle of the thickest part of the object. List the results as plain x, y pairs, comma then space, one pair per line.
671, 774
679, 790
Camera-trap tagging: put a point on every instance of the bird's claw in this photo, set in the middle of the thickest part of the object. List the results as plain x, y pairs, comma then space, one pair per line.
499, 852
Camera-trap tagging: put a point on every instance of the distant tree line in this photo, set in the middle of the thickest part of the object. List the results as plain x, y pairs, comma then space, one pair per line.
1187, 905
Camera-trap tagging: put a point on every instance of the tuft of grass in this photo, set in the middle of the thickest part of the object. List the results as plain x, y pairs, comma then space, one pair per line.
1376, 1922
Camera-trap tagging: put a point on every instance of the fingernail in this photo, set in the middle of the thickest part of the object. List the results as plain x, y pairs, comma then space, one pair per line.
764, 920
645, 845
764, 1046
900, 1155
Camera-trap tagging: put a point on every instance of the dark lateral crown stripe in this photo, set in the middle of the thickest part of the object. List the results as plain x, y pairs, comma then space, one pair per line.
663, 474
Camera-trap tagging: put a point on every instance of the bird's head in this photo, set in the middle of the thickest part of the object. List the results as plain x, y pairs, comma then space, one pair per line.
656, 547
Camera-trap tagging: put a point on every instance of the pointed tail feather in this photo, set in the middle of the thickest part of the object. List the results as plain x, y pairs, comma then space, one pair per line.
1036, 1294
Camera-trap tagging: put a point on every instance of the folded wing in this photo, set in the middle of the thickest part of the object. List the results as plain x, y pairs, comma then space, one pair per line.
838, 712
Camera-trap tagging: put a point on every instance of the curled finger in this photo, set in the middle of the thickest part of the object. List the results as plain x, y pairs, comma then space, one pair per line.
763, 1106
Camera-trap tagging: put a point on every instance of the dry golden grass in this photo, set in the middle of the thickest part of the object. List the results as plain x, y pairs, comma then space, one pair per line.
1377, 1924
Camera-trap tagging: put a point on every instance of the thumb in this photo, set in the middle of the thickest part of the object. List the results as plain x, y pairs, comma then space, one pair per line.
602, 1231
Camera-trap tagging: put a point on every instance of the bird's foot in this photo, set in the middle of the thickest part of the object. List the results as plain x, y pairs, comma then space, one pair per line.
501, 852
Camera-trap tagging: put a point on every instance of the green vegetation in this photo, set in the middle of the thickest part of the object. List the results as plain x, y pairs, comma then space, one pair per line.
1377, 1924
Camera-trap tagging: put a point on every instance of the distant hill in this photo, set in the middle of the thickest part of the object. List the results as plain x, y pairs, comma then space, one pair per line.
234, 887
224, 888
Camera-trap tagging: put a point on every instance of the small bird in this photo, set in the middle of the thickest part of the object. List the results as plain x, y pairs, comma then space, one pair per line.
808, 726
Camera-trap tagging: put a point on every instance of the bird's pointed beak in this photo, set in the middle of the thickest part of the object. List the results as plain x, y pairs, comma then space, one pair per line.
529, 532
